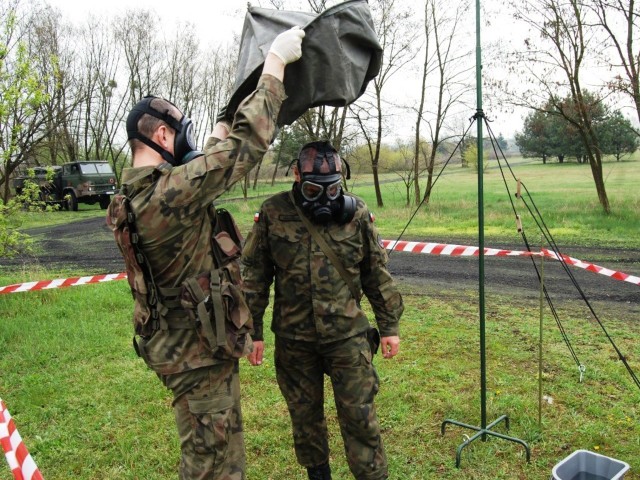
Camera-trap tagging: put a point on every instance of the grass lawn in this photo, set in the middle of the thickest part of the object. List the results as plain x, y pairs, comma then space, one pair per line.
87, 407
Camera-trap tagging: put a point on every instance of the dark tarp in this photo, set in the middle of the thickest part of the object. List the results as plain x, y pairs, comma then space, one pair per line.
340, 55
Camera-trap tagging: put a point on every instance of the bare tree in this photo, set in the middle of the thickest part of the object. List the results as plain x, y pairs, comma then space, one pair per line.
325, 123
408, 172
135, 33
317, 5
105, 95
621, 21
50, 42
183, 69
444, 58
398, 36
556, 67
218, 77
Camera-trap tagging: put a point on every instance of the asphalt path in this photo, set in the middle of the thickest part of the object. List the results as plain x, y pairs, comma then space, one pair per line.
88, 246
520, 274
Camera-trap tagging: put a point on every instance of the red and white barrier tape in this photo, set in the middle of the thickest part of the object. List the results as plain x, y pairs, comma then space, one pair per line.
624, 277
61, 282
445, 249
462, 250
20, 461
412, 247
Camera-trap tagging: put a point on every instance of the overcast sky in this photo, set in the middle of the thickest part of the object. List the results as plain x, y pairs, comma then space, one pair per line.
217, 21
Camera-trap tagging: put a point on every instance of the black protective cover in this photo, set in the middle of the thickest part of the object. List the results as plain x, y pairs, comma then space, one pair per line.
340, 55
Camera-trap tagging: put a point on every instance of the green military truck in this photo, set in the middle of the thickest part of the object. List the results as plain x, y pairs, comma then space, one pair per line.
72, 183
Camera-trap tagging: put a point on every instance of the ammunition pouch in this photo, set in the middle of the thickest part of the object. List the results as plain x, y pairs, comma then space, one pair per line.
220, 313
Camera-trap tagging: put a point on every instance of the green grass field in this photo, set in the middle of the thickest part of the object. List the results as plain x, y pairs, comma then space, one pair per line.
564, 194
87, 408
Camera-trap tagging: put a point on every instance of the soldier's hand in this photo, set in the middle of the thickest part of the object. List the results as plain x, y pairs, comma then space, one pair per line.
288, 45
255, 357
390, 346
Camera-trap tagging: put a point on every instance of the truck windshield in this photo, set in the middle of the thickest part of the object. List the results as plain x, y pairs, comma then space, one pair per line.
88, 168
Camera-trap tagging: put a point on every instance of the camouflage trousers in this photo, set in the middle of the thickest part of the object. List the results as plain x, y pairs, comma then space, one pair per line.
300, 370
207, 409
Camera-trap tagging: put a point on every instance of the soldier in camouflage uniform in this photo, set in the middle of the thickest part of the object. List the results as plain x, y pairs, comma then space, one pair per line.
167, 222
317, 320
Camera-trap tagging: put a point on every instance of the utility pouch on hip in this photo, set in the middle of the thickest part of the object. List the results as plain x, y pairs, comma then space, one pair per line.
373, 336
220, 312
215, 300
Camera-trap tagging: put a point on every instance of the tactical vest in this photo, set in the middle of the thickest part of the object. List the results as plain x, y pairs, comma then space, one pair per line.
211, 302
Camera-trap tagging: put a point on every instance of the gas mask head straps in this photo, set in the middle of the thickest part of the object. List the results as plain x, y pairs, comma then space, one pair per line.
184, 145
319, 161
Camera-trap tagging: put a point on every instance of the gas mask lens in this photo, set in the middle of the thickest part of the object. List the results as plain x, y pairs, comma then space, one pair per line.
312, 191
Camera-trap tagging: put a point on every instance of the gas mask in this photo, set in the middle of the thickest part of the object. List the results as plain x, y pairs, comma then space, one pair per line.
319, 192
184, 146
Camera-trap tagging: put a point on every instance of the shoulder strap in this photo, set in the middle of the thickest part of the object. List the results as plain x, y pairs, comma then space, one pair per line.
153, 297
327, 251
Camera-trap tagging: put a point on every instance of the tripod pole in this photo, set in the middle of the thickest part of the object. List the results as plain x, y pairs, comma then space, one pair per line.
483, 430
480, 160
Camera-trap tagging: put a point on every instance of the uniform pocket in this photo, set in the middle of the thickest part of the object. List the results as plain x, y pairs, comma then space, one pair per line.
284, 243
212, 425
347, 243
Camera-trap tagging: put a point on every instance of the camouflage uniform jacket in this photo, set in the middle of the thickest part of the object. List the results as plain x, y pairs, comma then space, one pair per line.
171, 209
312, 301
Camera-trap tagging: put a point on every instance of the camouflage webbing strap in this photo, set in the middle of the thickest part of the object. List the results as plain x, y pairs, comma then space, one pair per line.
153, 299
327, 250
203, 314
218, 309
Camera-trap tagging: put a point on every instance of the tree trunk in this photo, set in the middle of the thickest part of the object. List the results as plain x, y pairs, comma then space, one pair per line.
255, 178
376, 183
425, 65
245, 186
598, 178
376, 159
275, 171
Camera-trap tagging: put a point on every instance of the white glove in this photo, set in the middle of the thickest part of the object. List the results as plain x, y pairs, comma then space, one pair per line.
288, 45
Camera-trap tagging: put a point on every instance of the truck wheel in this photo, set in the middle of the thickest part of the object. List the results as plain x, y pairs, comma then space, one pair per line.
104, 202
72, 201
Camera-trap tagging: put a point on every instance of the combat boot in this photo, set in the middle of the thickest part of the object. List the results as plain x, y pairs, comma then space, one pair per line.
321, 472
